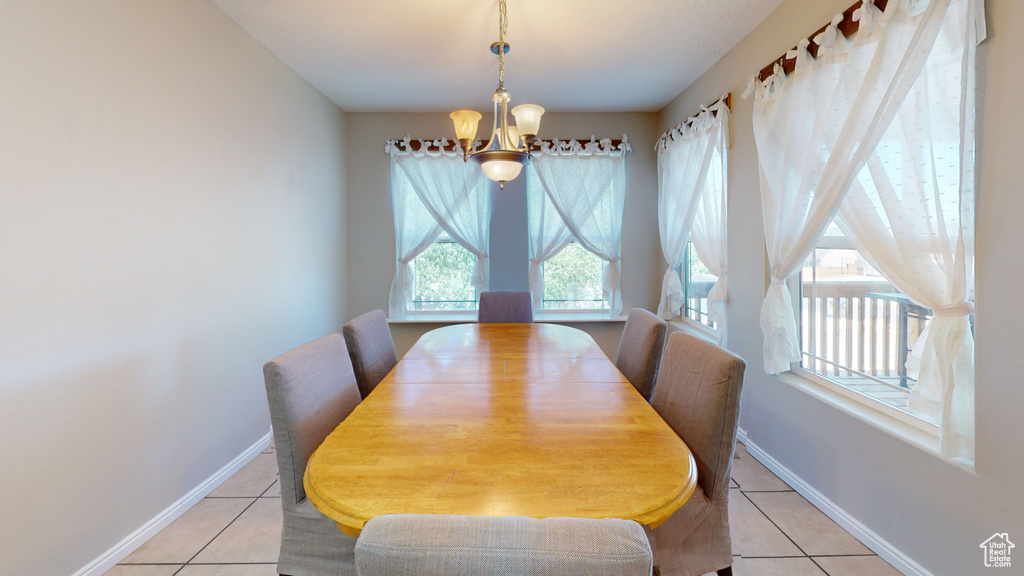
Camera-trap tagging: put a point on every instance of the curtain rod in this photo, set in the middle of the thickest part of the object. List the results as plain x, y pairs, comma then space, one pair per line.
847, 27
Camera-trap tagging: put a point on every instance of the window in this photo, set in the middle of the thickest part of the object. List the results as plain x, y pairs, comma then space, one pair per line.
879, 136
573, 280
692, 175
697, 283
856, 328
442, 211
443, 278
575, 197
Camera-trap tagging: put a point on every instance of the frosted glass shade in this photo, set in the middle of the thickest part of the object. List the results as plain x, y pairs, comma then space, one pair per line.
500, 165
513, 138
501, 170
528, 118
466, 122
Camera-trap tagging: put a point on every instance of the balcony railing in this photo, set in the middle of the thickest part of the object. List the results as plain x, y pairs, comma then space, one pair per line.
859, 329
695, 305
856, 333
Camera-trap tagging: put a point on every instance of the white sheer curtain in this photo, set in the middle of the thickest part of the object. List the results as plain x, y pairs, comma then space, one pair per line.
709, 224
910, 214
415, 231
548, 235
691, 201
816, 129
587, 187
826, 138
457, 195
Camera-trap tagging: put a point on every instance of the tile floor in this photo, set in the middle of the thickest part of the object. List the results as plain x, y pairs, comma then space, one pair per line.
236, 530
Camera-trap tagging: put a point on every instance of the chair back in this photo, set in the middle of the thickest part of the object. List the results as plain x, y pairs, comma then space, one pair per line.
311, 389
449, 545
371, 349
639, 353
505, 307
698, 395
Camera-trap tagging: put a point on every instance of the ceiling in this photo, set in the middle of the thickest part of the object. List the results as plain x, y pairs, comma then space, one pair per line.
432, 55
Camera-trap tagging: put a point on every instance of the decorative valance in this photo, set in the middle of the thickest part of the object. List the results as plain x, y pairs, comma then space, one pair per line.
695, 124
439, 147
595, 147
554, 147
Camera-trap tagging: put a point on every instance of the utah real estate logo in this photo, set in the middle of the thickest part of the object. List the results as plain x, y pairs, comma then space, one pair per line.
997, 550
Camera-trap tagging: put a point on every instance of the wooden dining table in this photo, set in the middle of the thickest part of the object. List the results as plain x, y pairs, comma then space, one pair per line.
502, 420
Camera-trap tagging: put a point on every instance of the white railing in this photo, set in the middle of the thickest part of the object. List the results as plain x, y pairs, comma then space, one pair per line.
848, 329
859, 330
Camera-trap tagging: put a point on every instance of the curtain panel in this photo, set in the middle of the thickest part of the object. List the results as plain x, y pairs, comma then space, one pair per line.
454, 193
586, 185
692, 180
415, 231
548, 234
826, 138
910, 212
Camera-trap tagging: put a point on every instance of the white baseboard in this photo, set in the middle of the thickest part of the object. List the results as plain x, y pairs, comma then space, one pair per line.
133, 541
876, 543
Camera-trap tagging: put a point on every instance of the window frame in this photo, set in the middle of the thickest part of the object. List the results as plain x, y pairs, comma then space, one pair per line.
606, 309
443, 238
684, 273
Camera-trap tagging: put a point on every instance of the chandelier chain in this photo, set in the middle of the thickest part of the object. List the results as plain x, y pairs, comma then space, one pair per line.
502, 27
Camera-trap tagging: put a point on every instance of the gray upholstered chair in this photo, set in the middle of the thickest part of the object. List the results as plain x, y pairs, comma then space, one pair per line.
639, 354
507, 307
448, 545
311, 389
371, 349
698, 395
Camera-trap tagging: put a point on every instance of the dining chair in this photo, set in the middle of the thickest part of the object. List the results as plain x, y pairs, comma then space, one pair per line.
371, 349
451, 545
505, 307
639, 353
311, 389
698, 395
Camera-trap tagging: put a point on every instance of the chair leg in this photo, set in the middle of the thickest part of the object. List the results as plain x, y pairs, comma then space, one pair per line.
727, 571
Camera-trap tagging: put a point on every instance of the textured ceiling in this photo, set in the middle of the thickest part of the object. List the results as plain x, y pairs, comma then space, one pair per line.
432, 55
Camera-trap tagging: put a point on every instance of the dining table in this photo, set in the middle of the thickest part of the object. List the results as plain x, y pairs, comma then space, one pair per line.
502, 420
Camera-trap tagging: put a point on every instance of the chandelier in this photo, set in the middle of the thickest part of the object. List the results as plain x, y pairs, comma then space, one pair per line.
502, 158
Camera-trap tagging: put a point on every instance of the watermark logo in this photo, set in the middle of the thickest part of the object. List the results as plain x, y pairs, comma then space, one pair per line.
997, 550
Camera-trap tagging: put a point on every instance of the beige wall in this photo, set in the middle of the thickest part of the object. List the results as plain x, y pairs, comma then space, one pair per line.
172, 216
934, 512
370, 226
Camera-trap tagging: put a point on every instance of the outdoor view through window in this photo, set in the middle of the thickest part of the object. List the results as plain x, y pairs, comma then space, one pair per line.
856, 328
697, 282
443, 278
573, 280
444, 271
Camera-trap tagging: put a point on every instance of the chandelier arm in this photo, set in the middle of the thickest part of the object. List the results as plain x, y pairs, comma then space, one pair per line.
503, 139
494, 130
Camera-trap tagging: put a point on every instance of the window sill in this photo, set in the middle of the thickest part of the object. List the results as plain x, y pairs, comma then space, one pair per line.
572, 317
694, 328
434, 318
917, 432
470, 317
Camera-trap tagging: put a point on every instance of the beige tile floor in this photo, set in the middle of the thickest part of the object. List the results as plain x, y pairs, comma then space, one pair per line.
236, 530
